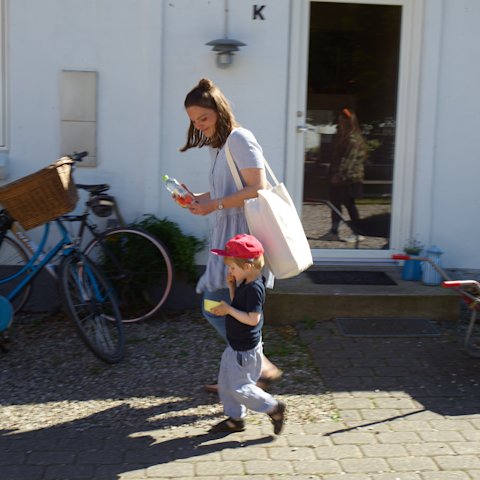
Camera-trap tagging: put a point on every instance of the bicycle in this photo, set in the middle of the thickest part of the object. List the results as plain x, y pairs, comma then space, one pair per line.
87, 295
136, 262
469, 291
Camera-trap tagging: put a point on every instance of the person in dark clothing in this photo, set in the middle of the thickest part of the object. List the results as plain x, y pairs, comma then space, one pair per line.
346, 173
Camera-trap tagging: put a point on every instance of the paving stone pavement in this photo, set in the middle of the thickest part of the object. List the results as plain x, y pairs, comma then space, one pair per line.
408, 409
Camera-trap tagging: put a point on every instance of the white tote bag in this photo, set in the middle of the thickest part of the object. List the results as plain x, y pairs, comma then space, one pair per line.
273, 219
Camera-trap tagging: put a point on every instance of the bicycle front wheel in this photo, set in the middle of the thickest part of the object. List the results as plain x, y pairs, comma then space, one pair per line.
91, 303
12, 259
139, 267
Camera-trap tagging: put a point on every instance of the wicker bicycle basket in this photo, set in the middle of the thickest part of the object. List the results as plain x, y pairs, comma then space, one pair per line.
42, 196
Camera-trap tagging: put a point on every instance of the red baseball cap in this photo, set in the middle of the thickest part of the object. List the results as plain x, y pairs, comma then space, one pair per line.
241, 246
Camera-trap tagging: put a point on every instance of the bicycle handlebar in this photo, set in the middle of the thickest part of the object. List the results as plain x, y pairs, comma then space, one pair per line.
405, 256
400, 256
461, 283
435, 265
92, 189
78, 156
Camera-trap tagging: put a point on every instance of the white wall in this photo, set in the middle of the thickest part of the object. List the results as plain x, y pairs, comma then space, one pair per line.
119, 39
448, 159
150, 53
256, 84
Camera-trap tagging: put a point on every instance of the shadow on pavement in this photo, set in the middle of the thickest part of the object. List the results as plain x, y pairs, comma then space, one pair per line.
72, 450
50, 378
433, 371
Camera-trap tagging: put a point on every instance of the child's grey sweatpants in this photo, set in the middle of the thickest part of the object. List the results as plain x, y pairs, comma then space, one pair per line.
239, 372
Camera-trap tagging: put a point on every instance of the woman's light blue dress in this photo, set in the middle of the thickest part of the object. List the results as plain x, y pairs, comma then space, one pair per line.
228, 222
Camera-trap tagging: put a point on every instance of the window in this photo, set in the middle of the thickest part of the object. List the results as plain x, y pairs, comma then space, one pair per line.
78, 112
353, 62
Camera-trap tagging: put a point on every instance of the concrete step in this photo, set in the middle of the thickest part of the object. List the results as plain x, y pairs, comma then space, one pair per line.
299, 298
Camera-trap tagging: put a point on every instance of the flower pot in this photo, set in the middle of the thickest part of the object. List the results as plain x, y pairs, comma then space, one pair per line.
412, 270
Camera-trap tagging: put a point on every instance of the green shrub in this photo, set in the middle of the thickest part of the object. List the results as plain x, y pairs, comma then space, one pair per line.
181, 247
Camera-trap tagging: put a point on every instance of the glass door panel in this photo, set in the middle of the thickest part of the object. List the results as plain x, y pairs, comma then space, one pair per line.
353, 63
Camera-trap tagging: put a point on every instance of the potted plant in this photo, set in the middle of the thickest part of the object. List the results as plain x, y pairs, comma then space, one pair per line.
412, 269
413, 247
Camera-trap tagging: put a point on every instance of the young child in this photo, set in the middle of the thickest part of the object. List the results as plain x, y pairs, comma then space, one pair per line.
241, 362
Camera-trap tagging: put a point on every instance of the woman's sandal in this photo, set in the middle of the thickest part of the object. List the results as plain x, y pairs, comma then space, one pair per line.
211, 388
228, 425
278, 418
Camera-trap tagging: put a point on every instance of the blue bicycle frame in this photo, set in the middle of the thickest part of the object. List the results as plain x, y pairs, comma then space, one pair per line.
32, 268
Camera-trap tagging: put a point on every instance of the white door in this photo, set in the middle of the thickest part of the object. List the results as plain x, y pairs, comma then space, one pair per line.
363, 56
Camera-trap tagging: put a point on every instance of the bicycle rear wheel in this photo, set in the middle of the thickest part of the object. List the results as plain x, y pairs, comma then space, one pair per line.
139, 267
91, 303
12, 259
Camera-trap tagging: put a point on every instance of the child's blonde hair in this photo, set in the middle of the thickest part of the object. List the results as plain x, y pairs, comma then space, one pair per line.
257, 263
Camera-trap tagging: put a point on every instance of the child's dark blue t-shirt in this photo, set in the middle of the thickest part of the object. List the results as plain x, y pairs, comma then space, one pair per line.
249, 297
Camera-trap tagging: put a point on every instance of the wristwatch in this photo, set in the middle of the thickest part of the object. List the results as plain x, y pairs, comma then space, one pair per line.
220, 204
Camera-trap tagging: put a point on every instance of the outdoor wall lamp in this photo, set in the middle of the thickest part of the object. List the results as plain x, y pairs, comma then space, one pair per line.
225, 48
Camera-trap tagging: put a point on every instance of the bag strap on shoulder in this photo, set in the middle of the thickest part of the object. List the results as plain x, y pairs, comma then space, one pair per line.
234, 170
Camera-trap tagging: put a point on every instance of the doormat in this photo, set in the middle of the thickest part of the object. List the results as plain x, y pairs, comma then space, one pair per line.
386, 327
341, 277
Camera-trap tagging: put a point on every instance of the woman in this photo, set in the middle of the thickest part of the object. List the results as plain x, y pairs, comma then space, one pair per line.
211, 123
346, 171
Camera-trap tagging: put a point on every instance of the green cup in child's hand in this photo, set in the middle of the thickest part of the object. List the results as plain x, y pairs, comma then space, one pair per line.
209, 304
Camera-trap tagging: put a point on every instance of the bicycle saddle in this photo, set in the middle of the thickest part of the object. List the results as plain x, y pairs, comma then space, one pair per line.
94, 189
